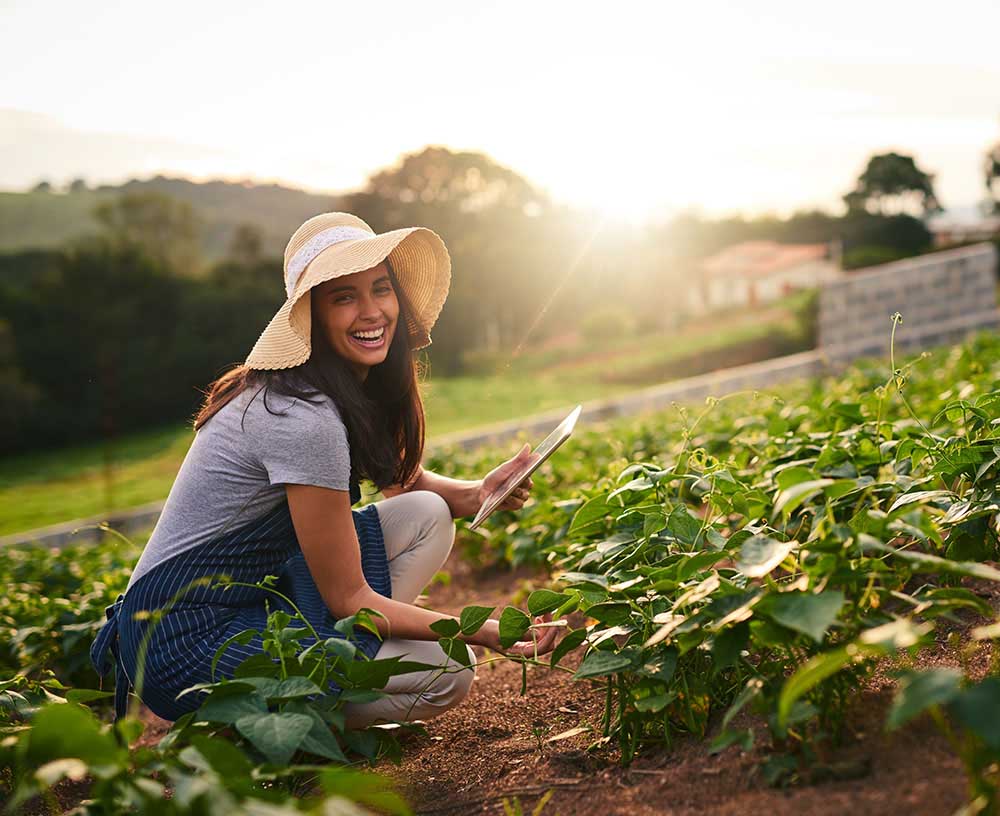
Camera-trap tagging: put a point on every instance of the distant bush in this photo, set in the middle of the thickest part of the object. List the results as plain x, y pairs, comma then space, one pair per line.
903, 233
607, 323
102, 339
483, 363
871, 256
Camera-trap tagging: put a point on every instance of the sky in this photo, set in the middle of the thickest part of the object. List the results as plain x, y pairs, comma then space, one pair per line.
635, 109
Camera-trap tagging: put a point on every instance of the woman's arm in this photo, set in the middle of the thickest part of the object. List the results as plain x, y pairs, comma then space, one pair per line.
465, 497
325, 530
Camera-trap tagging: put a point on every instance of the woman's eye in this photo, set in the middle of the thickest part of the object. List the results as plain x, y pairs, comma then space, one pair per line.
342, 298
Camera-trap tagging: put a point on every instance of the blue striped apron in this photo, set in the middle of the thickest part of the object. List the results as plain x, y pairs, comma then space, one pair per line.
199, 619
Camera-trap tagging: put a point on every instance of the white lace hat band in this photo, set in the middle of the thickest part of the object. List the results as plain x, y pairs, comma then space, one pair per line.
327, 238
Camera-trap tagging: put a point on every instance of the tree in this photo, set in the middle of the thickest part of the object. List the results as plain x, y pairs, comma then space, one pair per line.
991, 170
467, 181
245, 245
893, 184
42, 187
165, 229
78, 185
19, 398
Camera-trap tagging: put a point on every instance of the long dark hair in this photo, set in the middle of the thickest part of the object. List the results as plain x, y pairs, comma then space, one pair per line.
384, 414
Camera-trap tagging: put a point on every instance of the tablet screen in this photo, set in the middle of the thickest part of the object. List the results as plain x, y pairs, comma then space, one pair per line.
545, 449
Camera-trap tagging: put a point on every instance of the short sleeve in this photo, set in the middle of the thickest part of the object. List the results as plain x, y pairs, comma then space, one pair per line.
302, 442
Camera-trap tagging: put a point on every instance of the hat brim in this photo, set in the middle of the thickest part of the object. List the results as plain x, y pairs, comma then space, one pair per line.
422, 266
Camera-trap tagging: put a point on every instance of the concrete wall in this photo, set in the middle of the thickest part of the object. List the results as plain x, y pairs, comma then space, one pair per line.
942, 297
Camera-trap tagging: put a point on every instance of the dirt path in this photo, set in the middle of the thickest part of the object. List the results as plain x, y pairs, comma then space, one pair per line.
494, 746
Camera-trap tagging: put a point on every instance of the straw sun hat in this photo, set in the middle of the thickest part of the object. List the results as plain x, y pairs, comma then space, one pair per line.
335, 244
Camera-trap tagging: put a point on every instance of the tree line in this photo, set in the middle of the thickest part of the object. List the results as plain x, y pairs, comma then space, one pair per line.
120, 331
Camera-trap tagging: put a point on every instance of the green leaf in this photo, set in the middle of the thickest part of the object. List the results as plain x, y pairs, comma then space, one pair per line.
473, 618
789, 477
456, 650
742, 738
918, 691
661, 665
925, 562
978, 709
320, 740
83, 696
61, 731
611, 614
944, 598
760, 555
599, 664
921, 496
243, 638
374, 674
545, 600
749, 692
276, 736
222, 756
129, 729
787, 500
848, 410
341, 648
571, 640
727, 645
295, 687
363, 787
809, 613
258, 665
683, 526
901, 633
513, 624
655, 702
228, 708
266, 687
698, 562
590, 517
809, 675
446, 627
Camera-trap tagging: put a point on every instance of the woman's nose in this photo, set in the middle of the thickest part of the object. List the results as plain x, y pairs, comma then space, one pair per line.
370, 309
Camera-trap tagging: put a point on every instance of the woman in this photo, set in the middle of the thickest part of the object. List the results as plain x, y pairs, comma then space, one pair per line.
327, 396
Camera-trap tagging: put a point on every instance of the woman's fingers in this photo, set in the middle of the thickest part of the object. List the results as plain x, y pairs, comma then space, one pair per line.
516, 500
542, 640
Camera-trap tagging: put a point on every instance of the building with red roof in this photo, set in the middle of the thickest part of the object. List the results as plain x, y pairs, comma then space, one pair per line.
756, 272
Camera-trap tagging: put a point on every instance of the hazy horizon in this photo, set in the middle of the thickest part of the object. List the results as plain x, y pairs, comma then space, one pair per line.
637, 112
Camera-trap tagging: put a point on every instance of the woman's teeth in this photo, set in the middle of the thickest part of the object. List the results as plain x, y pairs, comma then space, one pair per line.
369, 338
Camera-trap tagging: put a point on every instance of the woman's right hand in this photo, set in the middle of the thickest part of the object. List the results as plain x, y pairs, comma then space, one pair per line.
538, 644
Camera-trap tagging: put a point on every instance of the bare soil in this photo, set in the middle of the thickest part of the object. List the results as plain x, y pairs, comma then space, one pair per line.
495, 746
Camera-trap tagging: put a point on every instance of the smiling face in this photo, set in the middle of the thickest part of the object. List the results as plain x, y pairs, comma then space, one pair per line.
358, 314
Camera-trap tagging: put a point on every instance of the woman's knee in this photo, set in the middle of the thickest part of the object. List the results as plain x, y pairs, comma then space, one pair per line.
453, 686
436, 521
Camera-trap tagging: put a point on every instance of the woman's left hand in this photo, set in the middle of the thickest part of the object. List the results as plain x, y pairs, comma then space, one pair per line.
499, 475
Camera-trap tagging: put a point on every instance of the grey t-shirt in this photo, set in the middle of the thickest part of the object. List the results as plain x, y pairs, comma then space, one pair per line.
232, 475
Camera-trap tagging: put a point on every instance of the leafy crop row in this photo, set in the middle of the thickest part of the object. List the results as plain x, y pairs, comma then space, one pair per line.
767, 552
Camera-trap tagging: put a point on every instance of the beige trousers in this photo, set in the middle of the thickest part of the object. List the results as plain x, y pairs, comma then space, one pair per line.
419, 533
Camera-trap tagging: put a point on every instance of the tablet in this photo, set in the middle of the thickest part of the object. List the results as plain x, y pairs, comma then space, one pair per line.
539, 455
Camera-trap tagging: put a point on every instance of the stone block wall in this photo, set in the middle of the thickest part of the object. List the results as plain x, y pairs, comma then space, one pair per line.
942, 297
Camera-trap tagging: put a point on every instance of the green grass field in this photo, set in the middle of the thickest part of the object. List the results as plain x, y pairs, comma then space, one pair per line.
50, 487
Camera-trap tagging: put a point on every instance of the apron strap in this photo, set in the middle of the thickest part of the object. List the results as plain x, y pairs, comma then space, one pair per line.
107, 642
